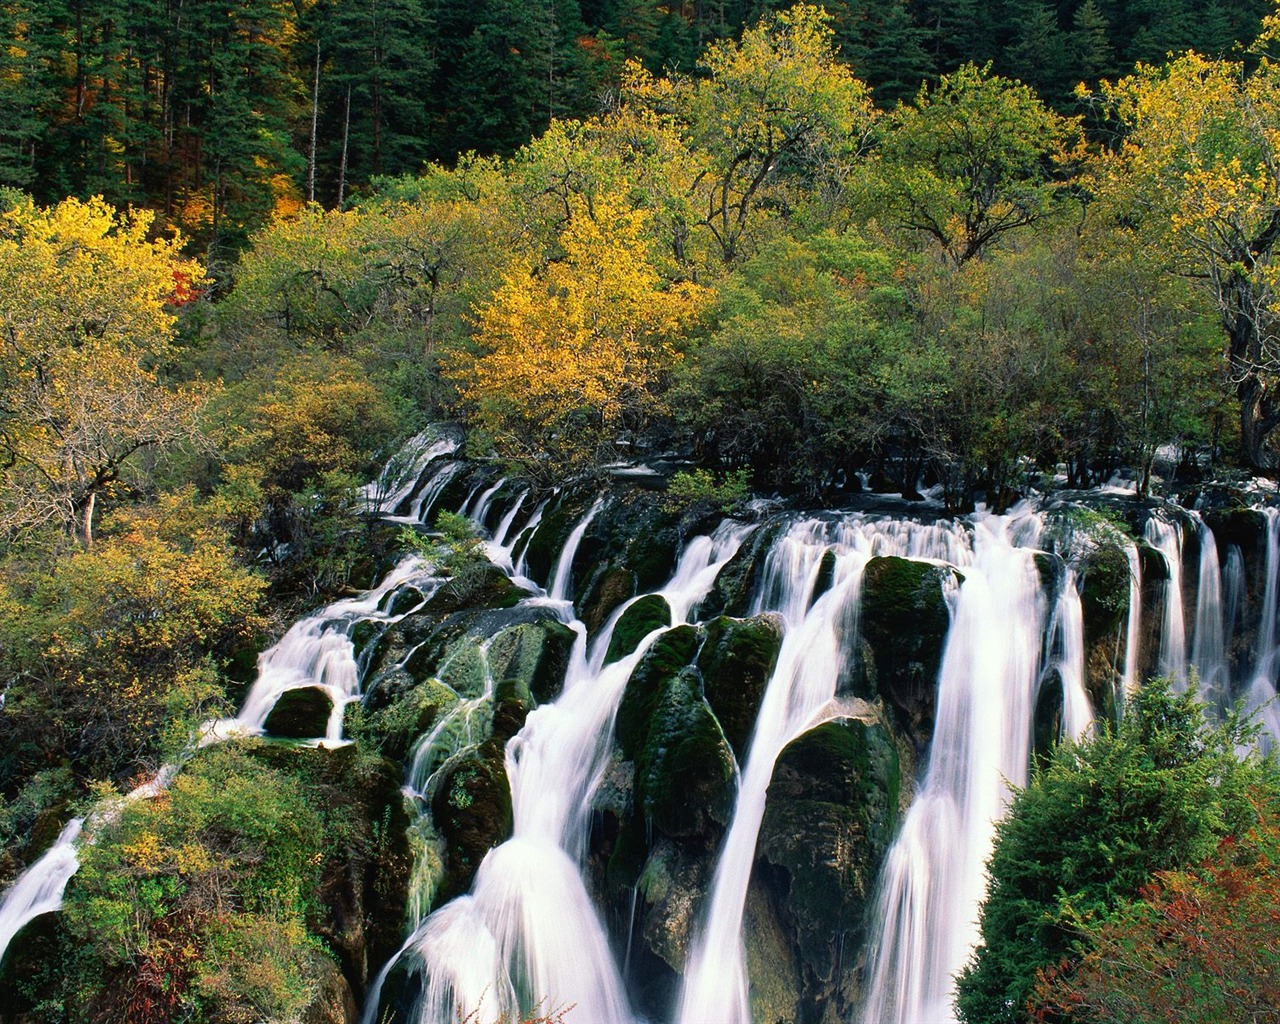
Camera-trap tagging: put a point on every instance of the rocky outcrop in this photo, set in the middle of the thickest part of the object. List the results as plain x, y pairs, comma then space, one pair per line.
300, 714
736, 661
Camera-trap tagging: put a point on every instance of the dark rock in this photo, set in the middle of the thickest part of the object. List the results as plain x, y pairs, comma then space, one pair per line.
668, 655
478, 586
638, 621
472, 812
673, 887
333, 1002
300, 714
731, 592
904, 620
543, 548
736, 661
606, 590
830, 818
775, 991
512, 703
1104, 592
1047, 724
536, 653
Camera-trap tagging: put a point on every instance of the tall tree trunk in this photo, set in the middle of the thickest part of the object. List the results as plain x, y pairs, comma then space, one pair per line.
315, 114
346, 132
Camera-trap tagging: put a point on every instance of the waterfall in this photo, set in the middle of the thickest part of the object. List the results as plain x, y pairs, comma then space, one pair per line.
1261, 695
803, 682
528, 930
1068, 640
1208, 650
1133, 629
39, 889
317, 651
934, 878
402, 474
1166, 538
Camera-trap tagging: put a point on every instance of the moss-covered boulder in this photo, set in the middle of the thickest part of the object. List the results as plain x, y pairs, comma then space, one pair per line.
904, 621
300, 714
478, 586
668, 655
638, 621
512, 703
536, 654
360, 904
543, 548
731, 592
605, 592
472, 812
829, 820
736, 661
685, 770
397, 726
1104, 592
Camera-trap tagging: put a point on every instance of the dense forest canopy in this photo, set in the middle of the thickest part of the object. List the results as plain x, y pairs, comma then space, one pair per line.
247, 247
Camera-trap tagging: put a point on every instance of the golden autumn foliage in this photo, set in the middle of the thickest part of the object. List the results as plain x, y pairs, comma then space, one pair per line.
574, 351
87, 306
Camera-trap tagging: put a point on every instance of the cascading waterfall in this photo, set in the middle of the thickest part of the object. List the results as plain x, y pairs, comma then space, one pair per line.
1068, 641
1208, 649
528, 930
803, 682
39, 890
1133, 629
403, 473
934, 878
1166, 538
1261, 696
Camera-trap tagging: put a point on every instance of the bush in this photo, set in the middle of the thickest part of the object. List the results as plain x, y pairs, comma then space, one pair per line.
1157, 792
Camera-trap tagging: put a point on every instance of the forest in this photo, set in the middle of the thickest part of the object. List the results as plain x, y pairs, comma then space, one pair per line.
977, 250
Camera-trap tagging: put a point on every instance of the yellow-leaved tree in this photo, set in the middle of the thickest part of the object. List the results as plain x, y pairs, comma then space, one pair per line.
574, 351
87, 312
1195, 182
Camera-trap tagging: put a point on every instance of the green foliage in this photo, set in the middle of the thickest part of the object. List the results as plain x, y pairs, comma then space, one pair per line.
198, 900
701, 489
1201, 945
1157, 792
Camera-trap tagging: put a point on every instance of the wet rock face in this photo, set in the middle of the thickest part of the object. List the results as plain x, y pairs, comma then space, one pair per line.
472, 812
740, 577
300, 714
736, 661
904, 620
829, 820
638, 621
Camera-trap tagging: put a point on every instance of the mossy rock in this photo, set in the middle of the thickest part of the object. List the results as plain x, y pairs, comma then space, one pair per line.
1047, 723
665, 657
736, 660
364, 887
673, 887
300, 714
1104, 592
685, 770
512, 702
829, 821
607, 589
826, 575
634, 533
403, 600
737, 581
543, 549
472, 812
33, 966
904, 621
462, 668
638, 621
478, 586
774, 991
1246, 528
536, 653
399, 725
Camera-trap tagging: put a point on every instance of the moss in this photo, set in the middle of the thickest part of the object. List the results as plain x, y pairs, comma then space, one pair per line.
396, 727
904, 624
1104, 593
472, 812
536, 653
829, 821
512, 702
684, 770
736, 661
544, 547
479, 586
300, 714
638, 621
668, 654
